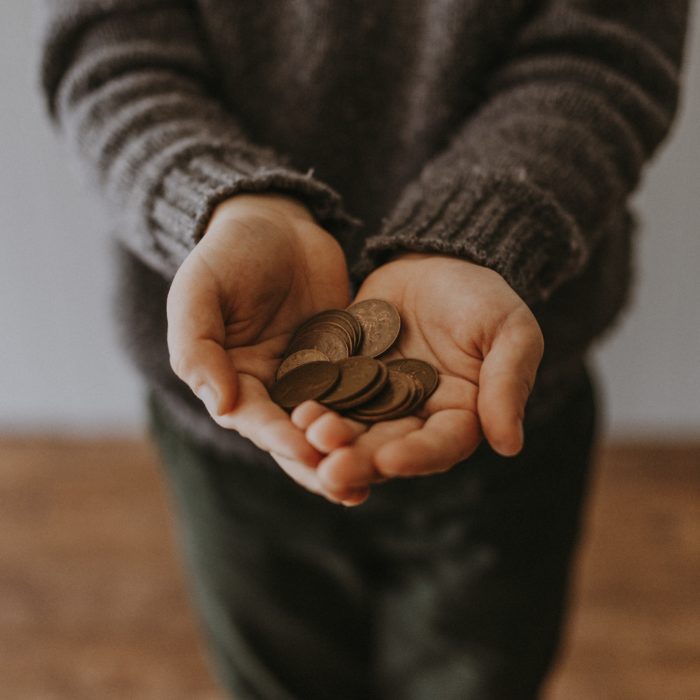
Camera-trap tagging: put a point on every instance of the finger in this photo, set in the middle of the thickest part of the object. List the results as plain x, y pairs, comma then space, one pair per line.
195, 341
330, 431
505, 382
303, 475
306, 413
345, 473
263, 422
325, 429
447, 437
352, 467
307, 478
356, 498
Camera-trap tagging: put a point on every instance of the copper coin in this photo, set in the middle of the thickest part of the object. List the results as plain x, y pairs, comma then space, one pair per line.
313, 319
356, 375
309, 381
353, 326
335, 316
421, 371
404, 407
298, 358
330, 344
412, 402
324, 339
402, 410
381, 324
356, 329
398, 389
338, 328
368, 394
320, 317
335, 320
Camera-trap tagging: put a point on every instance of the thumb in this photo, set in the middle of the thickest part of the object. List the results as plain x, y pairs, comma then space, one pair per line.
505, 382
196, 334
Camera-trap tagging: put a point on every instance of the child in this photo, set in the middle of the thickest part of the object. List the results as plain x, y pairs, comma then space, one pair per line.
485, 152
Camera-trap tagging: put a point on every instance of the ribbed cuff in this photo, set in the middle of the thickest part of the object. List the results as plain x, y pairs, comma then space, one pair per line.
507, 225
198, 181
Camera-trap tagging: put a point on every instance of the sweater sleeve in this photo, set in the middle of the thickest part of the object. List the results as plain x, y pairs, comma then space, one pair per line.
569, 117
129, 84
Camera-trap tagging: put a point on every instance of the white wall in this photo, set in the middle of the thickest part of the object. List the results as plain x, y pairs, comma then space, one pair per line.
649, 366
59, 365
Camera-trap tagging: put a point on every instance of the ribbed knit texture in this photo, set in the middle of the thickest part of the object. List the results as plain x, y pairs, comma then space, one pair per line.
558, 143
506, 132
130, 84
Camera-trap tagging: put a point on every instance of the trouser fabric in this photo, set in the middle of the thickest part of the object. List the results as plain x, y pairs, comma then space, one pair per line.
449, 587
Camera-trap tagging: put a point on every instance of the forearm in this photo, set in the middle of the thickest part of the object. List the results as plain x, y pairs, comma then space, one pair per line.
130, 87
530, 179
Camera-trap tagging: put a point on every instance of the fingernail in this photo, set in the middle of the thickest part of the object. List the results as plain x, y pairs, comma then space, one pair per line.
208, 396
357, 497
514, 448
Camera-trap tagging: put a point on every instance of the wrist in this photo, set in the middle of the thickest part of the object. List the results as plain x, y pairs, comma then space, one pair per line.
410, 255
414, 259
410, 268
259, 204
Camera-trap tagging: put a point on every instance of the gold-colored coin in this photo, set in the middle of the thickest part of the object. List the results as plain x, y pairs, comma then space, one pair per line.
421, 371
380, 323
309, 381
357, 374
298, 358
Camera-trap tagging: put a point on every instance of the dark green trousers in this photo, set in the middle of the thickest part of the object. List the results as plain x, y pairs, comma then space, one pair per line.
450, 587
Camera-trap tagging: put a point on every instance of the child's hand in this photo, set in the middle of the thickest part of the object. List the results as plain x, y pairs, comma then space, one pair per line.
262, 268
466, 321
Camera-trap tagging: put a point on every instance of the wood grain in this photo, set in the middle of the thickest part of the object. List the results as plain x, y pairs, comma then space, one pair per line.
93, 603
635, 627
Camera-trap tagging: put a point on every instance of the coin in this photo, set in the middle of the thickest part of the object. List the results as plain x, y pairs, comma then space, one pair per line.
421, 371
397, 391
355, 327
331, 345
336, 328
298, 358
412, 402
308, 381
369, 393
362, 388
380, 323
335, 318
356, 375
405, 408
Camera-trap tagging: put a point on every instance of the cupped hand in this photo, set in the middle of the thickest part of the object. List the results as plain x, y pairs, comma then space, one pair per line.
486, 345
262, 267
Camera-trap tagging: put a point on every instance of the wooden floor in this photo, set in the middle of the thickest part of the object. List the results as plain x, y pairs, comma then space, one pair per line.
93, 603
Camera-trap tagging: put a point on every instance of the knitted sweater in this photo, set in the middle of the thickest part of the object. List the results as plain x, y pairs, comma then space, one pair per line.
506, 132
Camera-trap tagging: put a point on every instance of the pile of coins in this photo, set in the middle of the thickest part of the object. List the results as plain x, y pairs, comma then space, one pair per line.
332, 358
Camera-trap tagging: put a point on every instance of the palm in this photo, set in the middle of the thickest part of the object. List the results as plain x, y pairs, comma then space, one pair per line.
426, 337
267, 280
433, 331
262, 268
260, 311
454, 315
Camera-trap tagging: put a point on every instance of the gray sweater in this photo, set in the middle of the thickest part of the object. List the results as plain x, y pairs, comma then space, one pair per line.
506, 132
